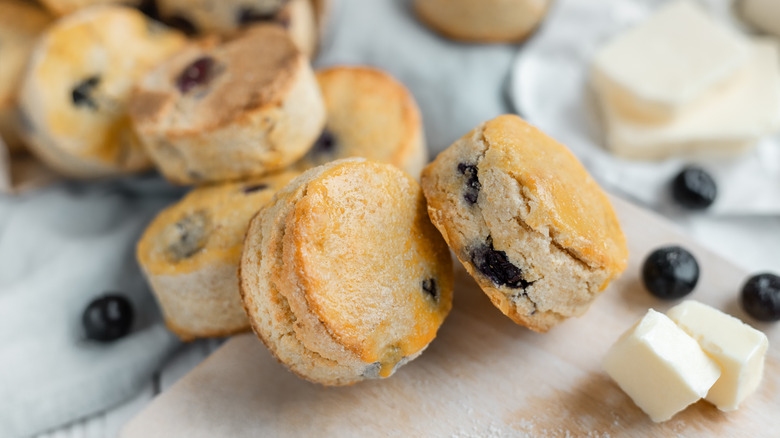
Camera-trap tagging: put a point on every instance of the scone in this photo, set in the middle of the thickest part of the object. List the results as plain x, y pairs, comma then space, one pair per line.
483, 21
20, 25
225, 17
66, 7
343, 276
190, 253
526, 220
369, 115
75, 90
216, 112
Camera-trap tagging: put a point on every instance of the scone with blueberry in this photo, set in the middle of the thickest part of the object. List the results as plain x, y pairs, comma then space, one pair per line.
526, 220
190, 254
343, 276
76, 86
20, 24
203, 17
369, 115
219, 111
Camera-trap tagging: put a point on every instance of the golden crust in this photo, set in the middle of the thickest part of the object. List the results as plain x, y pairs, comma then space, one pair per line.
67, 7
370, 115
348, 270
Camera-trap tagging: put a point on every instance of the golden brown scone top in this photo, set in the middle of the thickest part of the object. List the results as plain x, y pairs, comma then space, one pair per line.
206, 226
562, 195
361, 248
20, 24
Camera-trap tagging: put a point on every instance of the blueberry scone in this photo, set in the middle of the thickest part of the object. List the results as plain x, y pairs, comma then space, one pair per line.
225, 17
190, 254
75, 91
485, 21
369, 115
66, 7
343, 276
217, 112
526, 220
20, 25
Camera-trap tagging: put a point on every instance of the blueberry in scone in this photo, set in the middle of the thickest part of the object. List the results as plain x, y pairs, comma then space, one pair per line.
190, 253
526, 220
343, 276
226, 110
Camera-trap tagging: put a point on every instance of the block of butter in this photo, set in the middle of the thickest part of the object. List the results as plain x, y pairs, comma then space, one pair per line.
668, 63
660, 366
740, 114
762, 14
738, 348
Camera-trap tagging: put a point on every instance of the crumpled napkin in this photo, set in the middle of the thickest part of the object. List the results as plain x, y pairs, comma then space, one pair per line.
549, 88
64, 245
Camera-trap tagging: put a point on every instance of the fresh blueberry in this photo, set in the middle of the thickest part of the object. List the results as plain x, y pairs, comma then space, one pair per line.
82, 93
670, 272
430, 287
694, 188
473, 186
199, 72
761, 297
496, 266
108, 318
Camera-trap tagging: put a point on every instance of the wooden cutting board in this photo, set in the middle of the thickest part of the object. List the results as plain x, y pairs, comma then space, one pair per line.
483, 376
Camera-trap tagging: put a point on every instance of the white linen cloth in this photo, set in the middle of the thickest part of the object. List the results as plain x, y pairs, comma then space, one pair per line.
64, 245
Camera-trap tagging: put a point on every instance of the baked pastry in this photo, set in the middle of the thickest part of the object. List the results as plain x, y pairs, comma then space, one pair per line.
20, 25
526, 220
190, 253
484, 21
66, 7
225, 17
369, 115
75, 91
218, 112
343, 276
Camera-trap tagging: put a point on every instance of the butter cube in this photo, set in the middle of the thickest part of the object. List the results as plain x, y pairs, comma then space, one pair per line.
665, 64
738, 348
763, 14
732, 120
660, 367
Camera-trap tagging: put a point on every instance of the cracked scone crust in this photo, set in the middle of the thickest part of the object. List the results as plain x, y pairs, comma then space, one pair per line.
190, 253
343, 276
216, 112
369, 115
526, 220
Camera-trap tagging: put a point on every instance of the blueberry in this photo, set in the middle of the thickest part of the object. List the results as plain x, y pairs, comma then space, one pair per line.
82, 92
670, 272
199, 72
694, 188
761, 297
496, 266
325, 144
247, 15
473, 186
430, 287
107, 318
187, 236
184, 25
254, 188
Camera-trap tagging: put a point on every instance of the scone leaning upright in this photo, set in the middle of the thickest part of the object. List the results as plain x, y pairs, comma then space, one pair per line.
75, 90
369, 115
526, 220
189, 254
216, 112
343, 276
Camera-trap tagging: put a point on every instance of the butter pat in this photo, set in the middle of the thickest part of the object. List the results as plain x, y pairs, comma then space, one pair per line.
762, 14
660, 367
733, 120
661, 67
738, 348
